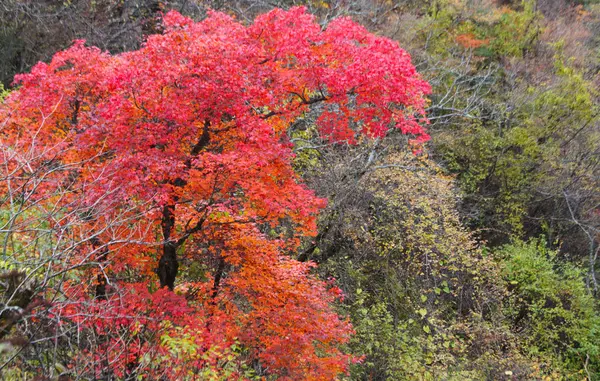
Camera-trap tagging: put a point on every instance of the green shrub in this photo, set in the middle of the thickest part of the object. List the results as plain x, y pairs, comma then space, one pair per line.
549, 307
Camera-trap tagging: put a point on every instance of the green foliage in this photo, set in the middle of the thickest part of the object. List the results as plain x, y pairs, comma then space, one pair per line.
225, 363
390, 350
423, 298
3, 92
549, 306
494, 33
503, 164
515, 31
14, 373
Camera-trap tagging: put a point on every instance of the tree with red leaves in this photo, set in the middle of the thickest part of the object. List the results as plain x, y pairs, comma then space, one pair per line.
172, 163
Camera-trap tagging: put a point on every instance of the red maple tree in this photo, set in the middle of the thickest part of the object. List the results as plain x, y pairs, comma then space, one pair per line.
177, 154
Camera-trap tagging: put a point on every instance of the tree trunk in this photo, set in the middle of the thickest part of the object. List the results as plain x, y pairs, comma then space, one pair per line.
168, 265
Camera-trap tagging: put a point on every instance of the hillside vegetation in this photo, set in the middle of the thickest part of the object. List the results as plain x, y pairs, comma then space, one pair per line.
300, 190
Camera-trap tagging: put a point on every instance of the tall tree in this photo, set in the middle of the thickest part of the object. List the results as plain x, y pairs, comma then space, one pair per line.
183, 142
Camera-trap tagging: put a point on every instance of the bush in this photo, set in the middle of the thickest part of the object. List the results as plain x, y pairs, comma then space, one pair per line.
549, 307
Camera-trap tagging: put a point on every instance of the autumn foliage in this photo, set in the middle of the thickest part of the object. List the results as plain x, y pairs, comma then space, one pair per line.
469, 41
171, 168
